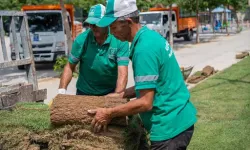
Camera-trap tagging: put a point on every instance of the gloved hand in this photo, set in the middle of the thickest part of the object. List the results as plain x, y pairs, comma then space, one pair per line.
61, 91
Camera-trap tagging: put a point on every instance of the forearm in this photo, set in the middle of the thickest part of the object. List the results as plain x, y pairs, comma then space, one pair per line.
66, 77
122, 79
130, 92
130, 108
121, 85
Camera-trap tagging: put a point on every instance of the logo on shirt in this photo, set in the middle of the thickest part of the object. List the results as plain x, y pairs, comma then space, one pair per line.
169, 49
112, 52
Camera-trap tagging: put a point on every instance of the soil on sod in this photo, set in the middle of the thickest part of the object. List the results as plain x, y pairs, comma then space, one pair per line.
68, 109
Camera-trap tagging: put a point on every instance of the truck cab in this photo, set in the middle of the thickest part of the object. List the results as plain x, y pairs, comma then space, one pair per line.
47, 34
183, 22
159, 21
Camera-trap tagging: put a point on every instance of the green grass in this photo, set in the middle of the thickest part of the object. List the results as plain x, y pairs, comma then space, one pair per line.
223, 104
198, 73
32, 116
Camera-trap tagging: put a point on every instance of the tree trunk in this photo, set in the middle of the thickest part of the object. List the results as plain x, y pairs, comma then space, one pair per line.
72, 109
198, 22
211, 19
225, 18
66, 27
237, 21
171, 42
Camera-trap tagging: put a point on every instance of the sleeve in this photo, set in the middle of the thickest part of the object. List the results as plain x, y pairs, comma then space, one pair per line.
146, 70
76, 52
78, 48
123, 54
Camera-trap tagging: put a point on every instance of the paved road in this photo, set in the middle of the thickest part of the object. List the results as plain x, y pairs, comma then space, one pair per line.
220, 53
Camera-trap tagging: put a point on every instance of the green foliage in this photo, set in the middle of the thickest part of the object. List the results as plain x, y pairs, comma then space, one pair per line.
60, 63
86, 4
238, 5
144, 5
17, 4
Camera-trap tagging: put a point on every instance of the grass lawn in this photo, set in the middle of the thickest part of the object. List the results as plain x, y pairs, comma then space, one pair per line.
33, 116
223, 104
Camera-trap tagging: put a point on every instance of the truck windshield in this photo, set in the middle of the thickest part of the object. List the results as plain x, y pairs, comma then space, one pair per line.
45, 22
154, 18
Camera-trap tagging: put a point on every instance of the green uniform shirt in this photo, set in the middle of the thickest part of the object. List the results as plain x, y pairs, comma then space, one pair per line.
155, 67
98, 64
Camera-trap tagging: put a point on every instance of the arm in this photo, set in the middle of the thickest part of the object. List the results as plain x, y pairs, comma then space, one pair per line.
142, 104
122, 79
67, 75
104, 115
73, 59
122, 63
129, 93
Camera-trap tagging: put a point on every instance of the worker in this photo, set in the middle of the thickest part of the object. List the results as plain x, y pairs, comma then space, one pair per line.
162, 98
103, 60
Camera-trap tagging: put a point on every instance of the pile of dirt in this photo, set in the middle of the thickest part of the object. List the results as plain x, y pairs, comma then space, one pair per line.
205, 73
242, 55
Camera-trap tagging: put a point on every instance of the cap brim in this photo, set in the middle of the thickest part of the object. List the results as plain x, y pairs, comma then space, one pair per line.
106, 21
92, 20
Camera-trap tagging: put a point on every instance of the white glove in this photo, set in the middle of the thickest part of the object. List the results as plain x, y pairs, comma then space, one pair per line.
61, 91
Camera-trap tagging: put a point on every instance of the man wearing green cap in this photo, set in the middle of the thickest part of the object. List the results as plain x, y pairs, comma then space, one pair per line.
162, 96
103, 60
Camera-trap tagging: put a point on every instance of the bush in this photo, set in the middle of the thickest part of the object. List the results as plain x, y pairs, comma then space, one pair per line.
60, 63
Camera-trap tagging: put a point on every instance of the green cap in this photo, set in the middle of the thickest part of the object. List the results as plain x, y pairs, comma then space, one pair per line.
116, 9
96, 13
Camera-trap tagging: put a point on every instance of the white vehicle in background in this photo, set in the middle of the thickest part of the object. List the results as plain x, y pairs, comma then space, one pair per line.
183, 23
47, 33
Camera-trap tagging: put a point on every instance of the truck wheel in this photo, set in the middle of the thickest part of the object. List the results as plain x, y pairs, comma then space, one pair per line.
189, 35
22, 67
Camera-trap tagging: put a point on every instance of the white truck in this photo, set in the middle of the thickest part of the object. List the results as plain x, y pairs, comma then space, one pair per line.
183, 24
46, 32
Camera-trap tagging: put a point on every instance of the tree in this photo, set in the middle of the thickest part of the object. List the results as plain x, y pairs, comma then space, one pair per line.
225, 21
86, 4
192, 6
144, 5
237, 6
212, 5
198, 22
